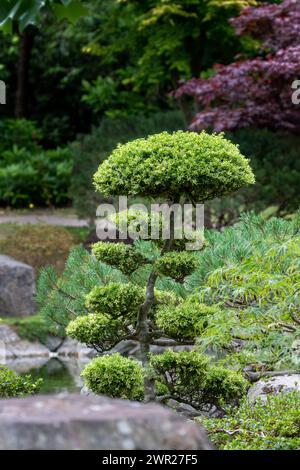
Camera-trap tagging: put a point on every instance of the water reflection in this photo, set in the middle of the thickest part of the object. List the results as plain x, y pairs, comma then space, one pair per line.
59, 374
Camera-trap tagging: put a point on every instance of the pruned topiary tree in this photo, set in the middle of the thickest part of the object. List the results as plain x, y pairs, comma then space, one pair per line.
169, 167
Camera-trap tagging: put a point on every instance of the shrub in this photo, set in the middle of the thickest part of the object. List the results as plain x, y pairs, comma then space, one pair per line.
270, 425
187, 376
177, 265
41, 178
118, 255
164, 298
20, 133
117, 300
224, 385
95, 330
201, 166
12, 385
187, 320
115, 376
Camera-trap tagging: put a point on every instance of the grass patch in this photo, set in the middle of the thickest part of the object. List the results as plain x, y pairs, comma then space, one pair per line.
33, 328
39, 245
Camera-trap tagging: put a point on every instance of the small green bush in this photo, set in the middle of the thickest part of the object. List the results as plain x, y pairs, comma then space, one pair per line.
117, 300
13, 385
118, 255
201, 166
41, 178
115, 376
186, 320
98, 330
164, 298
224, 385
177, 265
20, 133
187, 376
270, 425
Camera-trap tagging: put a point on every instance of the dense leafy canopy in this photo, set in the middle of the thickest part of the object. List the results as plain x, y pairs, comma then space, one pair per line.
201, 166
145, 47
115, 376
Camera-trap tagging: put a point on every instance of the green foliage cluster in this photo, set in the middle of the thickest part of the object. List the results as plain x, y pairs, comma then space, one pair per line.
13, 385
122, 58
90, 150
115, 376
29, 174
245, 286
96, 330
200, 166
153, 44
184, 376
62, 297
252, 272
187, 320
121, 256
102, 331
117, 300
20, 133
271, 425
188, 376
177, 265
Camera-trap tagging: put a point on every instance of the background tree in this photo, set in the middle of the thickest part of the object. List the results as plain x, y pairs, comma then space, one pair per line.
258, 91
146, 47
20, 16
120, 59
156, 167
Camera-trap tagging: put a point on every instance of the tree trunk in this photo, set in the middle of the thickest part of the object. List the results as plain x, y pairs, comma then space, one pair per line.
26, 45
143, 333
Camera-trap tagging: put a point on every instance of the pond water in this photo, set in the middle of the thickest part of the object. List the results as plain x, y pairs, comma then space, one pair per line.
58, 374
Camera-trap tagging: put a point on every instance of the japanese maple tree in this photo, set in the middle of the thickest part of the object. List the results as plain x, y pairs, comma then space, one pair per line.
257, 91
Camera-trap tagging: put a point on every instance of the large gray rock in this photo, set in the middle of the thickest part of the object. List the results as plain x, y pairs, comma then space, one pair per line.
71, 347
12, 346
17, 288
95, 423
53, 342
274, 385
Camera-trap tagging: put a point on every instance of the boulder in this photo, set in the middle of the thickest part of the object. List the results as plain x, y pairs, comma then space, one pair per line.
94, 423
87, 392
274, 385
12, 346
71, 347
53, 342
17, 288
